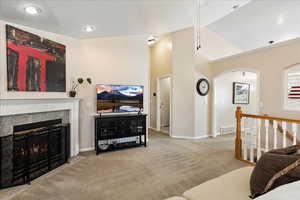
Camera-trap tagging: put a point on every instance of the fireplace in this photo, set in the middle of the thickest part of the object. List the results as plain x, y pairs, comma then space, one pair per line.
33, 150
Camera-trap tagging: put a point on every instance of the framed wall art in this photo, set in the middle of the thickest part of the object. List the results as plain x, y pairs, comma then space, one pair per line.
241, 93
34, 63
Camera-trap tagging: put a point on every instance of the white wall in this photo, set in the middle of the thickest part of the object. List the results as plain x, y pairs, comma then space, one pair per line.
213, 46
183, 108
73, 60
119, 60
224, 108
161, 65
271, 62
190, 111
202, 128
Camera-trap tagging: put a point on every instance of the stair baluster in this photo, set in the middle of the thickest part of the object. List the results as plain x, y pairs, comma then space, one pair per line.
267, 124
245, 139
275, 127
284, 126
294, 128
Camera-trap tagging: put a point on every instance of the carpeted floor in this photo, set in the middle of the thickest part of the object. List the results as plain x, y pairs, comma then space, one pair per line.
167, 167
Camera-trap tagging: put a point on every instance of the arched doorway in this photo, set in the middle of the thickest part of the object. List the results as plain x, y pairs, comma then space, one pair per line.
223, 106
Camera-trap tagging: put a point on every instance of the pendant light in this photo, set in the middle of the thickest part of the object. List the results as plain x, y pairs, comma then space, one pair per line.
197, 25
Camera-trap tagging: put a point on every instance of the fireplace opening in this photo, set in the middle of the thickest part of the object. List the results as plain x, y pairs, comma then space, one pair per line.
36, 149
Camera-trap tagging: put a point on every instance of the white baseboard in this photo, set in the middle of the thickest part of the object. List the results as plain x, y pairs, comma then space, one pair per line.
87, 149
165, 132
217, 134
192, 137
153, 129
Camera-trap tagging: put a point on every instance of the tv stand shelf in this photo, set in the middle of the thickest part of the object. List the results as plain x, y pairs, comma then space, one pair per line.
112, 130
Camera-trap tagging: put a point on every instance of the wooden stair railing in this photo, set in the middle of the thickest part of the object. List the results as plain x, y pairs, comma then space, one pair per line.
250, 151
238, 138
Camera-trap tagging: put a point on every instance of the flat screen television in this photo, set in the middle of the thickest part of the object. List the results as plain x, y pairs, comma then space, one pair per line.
119, 98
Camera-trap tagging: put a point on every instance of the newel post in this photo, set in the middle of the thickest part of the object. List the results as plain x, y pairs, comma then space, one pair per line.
238, 140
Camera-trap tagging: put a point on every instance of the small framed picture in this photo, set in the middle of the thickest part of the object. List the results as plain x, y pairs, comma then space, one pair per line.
241, 93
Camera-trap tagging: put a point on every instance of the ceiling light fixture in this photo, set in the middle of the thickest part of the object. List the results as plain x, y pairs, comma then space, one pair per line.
89, 28
32, 10
197, 25
236, 6
151, 40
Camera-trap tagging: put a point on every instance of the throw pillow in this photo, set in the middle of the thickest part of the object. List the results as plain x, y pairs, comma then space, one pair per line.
275, 168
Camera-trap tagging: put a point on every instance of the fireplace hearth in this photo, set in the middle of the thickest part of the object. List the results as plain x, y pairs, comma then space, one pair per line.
33, 150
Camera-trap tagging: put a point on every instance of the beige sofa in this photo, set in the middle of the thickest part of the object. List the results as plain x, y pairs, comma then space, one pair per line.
234, 185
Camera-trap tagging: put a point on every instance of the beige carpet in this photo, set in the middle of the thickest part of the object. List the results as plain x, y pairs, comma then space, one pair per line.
165, 168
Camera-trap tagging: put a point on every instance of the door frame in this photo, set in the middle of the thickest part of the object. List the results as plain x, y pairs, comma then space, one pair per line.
158, 114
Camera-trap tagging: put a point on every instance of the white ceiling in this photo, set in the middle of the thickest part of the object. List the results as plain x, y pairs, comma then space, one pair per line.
115, 17
259, 22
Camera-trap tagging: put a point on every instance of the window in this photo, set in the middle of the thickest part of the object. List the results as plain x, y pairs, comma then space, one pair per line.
292, 88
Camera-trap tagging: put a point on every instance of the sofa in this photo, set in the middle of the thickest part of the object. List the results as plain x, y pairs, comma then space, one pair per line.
234, 185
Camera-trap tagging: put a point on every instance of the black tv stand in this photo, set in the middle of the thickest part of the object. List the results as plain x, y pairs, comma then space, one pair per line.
114, 132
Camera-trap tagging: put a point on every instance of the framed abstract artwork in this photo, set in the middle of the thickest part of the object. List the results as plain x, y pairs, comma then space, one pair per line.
241, 93
34, 63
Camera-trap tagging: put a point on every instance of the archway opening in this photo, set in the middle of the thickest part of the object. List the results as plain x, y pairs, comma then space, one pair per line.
233, 89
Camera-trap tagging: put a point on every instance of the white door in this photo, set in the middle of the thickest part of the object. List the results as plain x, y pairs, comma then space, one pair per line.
165, 88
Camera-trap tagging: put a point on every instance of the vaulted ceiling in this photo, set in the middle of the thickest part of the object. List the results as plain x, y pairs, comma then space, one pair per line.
259, 22
115, 17
252, 25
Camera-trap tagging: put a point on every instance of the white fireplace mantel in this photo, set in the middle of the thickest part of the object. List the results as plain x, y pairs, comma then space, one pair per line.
10, 107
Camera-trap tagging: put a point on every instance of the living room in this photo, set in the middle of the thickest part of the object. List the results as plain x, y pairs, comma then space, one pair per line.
79, 91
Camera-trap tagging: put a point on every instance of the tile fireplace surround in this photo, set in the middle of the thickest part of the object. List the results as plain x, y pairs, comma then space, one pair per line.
17, 107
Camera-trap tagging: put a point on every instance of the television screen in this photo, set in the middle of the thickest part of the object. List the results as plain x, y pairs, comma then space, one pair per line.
119, 98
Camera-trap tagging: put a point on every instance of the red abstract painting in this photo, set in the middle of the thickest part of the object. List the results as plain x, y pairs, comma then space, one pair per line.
34, 63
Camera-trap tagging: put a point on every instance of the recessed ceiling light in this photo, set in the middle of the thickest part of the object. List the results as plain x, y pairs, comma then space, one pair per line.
89, 28
151, 40
32, 10
236, 6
